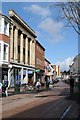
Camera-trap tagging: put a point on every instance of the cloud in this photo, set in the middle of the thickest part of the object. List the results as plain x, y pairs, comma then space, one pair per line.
36, 9
65, 64
53, 29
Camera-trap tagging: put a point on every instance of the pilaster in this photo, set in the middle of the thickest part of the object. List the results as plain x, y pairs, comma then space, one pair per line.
31, 52
26, 51
11, 44
16, 44
27, 76
21, 48
34, 77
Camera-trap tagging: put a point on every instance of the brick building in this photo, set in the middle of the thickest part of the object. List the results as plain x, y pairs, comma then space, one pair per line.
39, 60
4, 46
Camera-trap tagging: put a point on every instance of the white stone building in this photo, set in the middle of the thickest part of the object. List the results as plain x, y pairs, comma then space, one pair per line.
75, 67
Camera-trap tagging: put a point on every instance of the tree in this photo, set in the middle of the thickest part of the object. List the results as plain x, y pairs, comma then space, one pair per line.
71, 12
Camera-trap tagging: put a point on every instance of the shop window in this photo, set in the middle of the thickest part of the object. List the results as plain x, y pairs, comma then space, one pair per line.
5, 54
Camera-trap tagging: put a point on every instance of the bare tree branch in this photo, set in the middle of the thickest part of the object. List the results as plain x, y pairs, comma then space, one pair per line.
71, 12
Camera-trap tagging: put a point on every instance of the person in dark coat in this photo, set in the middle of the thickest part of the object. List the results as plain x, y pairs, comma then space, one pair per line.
71, 83
4, 88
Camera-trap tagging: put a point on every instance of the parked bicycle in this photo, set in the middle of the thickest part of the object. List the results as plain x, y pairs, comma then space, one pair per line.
27, 87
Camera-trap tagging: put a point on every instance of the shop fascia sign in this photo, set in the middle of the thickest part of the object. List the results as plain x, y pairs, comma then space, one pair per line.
37, 70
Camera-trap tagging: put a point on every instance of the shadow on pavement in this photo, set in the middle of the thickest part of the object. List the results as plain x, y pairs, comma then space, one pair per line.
41, 110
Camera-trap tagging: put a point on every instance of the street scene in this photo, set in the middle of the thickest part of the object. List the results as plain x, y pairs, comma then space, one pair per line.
55, 103
40, 60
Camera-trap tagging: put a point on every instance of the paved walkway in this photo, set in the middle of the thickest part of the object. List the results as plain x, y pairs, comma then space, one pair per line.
31, 96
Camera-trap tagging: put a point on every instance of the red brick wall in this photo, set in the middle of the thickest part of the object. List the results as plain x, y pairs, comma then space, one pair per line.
6, 39
39, 56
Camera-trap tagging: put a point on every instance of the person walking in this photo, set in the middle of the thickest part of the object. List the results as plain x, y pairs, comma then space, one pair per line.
71, 83
0, 87
47, 83
38, 84
4, 88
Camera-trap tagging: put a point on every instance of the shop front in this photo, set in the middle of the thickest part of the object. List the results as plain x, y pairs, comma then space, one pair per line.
30, 77
15, 76
40, 75
4, 72
20, 75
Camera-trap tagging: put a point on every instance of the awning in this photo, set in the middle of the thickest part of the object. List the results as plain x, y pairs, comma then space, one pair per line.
5, 66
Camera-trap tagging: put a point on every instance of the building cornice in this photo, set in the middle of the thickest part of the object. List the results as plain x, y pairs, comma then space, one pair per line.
6, 17
12, 14
40, 45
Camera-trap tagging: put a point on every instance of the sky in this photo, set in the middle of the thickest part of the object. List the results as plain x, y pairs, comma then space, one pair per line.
60, 42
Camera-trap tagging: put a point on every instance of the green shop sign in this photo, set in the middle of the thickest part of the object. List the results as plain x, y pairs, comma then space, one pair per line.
37, 70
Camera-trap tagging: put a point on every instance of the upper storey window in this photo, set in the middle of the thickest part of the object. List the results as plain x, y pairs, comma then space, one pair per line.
5, 27
5, 54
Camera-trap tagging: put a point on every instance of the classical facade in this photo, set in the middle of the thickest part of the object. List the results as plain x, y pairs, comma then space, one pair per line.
4, 46
22, 51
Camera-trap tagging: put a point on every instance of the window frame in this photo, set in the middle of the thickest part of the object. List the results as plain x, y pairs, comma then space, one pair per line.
7, 49
5, 27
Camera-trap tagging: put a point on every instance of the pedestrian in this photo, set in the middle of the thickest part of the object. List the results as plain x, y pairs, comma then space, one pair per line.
38, 84
0, 87
47, 83
71, 83
5, 87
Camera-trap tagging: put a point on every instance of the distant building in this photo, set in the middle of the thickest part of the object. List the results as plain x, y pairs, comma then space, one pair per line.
75, 67
48, 70
56, 69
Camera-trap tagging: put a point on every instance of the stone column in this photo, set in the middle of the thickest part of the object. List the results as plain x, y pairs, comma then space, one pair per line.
9, 75
31, 52
11, 44
26, 76
34, 76
26, 51
16, 44
22, 76
21, 48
